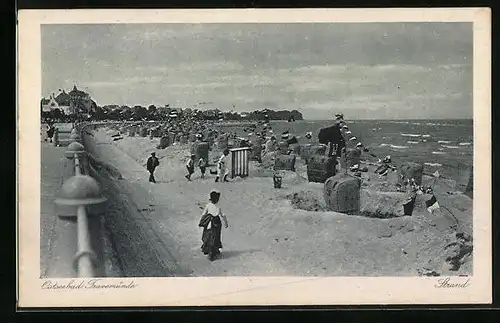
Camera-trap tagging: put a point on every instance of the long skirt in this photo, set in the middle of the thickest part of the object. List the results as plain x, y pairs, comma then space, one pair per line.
211, 238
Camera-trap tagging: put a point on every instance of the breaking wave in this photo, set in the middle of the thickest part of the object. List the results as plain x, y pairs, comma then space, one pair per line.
439, 153
433, 164
452, 147
443, 142
412, 142
393, 146
414, 135
464, 144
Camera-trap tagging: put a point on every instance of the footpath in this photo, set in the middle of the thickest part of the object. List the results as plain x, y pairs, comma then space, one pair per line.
58, 226
54, 233
167, 215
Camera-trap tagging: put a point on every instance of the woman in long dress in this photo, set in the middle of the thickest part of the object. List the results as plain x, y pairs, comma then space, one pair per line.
212, 226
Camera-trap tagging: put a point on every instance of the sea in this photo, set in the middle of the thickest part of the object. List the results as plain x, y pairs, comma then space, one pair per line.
446, 146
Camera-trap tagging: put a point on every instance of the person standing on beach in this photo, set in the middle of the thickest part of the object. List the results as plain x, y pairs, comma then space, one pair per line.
222, 167
151, 165
45, 130
50, 132
212, 226
270, 145
203, 166
190, 167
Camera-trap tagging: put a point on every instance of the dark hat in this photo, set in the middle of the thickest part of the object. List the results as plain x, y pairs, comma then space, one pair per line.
214, 195
339, 116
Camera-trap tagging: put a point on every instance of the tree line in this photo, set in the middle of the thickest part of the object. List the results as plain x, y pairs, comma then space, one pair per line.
138, 113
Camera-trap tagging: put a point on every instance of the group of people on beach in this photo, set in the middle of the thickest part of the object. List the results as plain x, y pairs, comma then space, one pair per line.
222, 171
212, 218
212, 214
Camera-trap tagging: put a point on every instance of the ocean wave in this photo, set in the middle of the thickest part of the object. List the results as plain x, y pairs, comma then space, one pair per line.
451, 147
414, 135
464, 144
439, 153
443, 142
441, 124
433, 164
412, 142
394, 146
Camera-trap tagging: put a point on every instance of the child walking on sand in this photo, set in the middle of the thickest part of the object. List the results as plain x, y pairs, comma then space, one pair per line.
203, 166
212, 226
190, 167
222, 171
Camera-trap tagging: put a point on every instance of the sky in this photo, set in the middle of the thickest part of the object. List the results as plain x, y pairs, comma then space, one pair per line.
364, 70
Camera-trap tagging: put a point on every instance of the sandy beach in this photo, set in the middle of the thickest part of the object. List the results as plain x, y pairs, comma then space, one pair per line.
267, 234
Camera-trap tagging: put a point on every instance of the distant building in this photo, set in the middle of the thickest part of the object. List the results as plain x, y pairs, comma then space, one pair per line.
53, 103
49, 104
63, 100
80, 102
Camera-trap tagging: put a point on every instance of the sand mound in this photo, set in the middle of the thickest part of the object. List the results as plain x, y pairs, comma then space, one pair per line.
306, 200
447, 254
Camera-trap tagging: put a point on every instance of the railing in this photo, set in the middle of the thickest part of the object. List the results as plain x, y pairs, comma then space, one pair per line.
81, 191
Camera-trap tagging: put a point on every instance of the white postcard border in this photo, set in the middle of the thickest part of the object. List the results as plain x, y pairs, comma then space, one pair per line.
246, 290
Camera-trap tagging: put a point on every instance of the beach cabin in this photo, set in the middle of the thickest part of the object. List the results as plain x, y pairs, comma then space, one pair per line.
240, 158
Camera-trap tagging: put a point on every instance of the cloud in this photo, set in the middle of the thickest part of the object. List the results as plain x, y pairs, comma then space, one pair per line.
207, 66
122, 82
366, 69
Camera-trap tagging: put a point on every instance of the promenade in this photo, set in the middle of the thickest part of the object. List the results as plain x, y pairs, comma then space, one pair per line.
55, 169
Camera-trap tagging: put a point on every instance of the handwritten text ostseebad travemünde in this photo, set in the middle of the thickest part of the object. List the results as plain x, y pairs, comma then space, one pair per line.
87, 284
